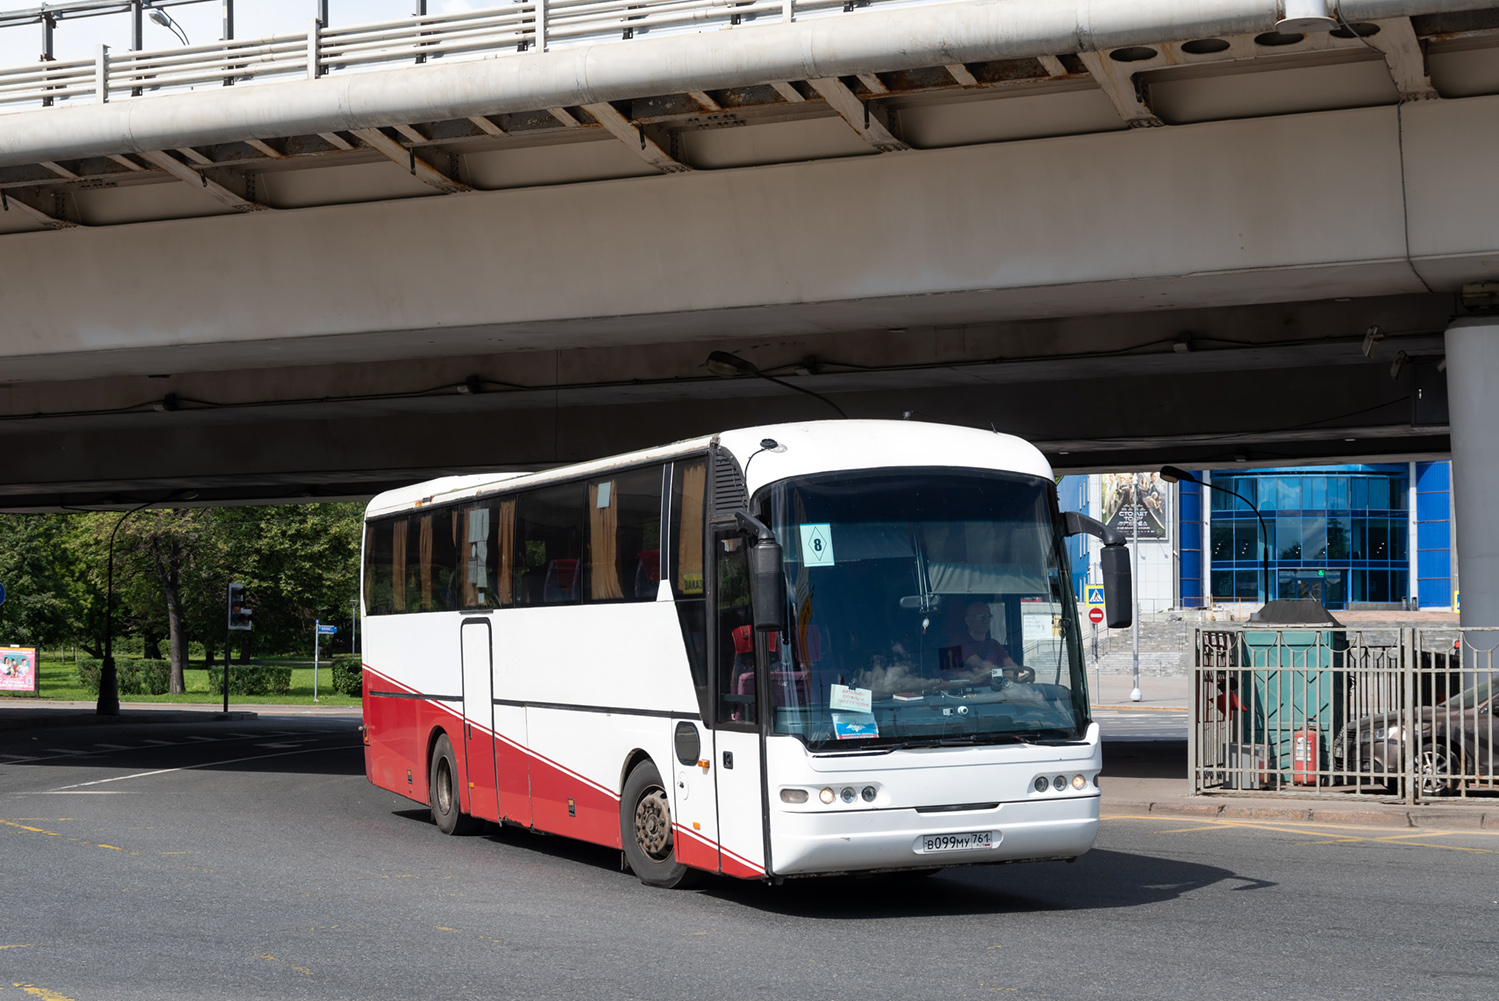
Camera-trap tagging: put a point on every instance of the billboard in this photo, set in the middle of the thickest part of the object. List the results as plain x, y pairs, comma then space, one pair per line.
1151, 516
18, 669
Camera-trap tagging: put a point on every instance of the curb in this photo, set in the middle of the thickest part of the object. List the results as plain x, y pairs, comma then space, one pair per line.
1469, 818
32, 719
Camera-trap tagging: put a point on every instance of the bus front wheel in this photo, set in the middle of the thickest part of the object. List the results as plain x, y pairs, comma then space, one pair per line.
442, 791
645, 830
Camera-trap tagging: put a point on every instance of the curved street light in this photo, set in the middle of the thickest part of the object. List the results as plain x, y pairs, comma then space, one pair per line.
728, 366
1172, 474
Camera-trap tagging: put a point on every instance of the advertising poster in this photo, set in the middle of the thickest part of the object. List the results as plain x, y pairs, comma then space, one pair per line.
1151, 515
18, 669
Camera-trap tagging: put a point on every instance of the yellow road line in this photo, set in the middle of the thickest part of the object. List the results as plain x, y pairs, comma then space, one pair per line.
42, 992
23, 827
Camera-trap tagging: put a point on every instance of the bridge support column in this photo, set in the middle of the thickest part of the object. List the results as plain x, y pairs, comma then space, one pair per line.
1473, 399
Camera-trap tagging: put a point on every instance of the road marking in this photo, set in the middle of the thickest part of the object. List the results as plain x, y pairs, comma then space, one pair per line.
113, 747
206, 764
26, 946
160, 743
1295, 827
42, 992
23, 827
112, 847
272, 959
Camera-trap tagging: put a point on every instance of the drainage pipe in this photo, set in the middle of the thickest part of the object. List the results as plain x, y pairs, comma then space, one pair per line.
874, 41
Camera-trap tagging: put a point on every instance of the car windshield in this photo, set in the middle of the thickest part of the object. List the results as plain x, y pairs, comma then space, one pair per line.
926, 607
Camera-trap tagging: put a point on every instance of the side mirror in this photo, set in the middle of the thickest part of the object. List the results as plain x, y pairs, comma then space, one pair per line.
1117, 588
767, 581
1118, 601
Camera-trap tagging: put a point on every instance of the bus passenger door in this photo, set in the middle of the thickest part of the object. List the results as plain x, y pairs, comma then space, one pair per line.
736, 752
478, 718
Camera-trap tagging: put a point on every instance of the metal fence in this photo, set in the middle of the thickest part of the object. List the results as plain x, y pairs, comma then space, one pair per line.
1334, 711
514, 28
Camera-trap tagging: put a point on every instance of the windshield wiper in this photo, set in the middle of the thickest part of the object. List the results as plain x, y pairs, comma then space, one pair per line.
988, 738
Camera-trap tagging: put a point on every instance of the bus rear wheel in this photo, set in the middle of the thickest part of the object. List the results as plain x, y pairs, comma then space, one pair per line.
645, 830
442, 791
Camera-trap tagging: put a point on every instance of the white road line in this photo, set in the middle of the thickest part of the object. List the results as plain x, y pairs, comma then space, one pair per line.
113, 747
206, 764
160, 743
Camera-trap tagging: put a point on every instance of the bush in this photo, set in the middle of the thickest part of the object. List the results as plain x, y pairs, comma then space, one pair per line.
348, 675
251, 679
134, 677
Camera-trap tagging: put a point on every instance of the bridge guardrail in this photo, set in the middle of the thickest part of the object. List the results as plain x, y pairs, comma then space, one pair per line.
1323, 711
512, 29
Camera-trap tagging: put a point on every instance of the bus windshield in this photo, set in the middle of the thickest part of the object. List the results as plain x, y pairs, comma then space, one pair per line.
928, 607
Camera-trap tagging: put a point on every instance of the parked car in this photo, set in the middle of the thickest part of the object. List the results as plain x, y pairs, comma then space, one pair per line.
1452, 741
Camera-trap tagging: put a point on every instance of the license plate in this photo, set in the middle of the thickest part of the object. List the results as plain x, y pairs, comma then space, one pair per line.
927, 844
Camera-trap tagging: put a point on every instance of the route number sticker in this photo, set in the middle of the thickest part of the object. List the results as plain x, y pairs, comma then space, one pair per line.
817, 545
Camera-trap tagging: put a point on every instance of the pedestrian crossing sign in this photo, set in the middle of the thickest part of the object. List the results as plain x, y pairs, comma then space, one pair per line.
1093, 595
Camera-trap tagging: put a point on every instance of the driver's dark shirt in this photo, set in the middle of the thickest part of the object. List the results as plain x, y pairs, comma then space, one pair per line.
987, 648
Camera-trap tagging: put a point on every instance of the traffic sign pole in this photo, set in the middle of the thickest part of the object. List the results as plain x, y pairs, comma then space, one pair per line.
317, 634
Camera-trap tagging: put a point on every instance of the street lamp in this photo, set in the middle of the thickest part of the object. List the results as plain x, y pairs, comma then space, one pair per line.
1171, 474
109, 679
161, 17
728, 366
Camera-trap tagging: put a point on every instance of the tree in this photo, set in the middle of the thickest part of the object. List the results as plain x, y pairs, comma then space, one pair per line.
36, 570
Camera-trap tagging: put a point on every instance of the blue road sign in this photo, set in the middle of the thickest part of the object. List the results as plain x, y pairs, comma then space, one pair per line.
1093, 595
2, 594
327, 630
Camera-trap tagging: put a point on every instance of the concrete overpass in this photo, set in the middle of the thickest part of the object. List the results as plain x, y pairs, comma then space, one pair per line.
1202, 232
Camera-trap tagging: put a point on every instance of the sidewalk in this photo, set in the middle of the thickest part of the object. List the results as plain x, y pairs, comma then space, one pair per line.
1111, 691
1143, 778
33, 714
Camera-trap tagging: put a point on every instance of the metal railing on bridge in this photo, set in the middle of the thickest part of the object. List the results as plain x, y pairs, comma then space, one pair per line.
511, 29
1331, 711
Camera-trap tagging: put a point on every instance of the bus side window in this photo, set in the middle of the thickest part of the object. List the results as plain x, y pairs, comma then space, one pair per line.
689, 481
624, 536
735, 629
400, 536
478, 556
377, 567
549, 545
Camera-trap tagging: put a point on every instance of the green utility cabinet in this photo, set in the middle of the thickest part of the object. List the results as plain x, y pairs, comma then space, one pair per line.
1294, 694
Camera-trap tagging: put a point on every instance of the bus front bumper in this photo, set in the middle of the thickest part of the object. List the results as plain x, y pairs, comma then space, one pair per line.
804, 844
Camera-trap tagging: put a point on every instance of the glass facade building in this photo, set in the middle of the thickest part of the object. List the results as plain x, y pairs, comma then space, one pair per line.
1339, 534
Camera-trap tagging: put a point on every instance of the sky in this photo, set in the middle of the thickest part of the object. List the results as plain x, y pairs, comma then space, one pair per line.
203, 22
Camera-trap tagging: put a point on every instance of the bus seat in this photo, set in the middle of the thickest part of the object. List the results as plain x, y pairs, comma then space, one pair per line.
744, 640
561, 582
648, 573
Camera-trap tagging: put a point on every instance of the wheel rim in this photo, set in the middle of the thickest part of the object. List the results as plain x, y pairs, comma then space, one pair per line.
653, 824
1434, 771
444, 787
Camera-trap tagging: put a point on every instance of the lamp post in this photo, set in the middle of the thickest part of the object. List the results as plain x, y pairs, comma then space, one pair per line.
109, 680
1171, 474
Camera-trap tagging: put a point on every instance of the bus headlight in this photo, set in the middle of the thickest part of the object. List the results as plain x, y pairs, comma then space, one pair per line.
1078, 782
869, 794
1059, 783
794, 795
848, 794
1041, 783
826, 795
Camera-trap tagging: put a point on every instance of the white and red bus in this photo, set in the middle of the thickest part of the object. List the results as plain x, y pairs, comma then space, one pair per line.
779, 651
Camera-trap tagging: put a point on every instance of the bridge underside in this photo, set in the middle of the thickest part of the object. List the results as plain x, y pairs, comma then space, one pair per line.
1002, 243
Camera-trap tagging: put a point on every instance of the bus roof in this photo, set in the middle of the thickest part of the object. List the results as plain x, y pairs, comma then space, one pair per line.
803, 448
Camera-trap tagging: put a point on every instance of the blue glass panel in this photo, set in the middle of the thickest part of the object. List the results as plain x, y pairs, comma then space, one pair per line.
1223, 540
1379, 586
1337, 493
1247, 539
1360, 497
1288, 493
1319, 493
1434, 563
1435, 592
1191, 569
1288, 538
1400, 493
1247, 584
1433, 476
1223, 583
1358, 588
1379, 542
1358, 541
1339, 538
1314, 538
1434, 535
1432, 506
1266, 486
1399, 546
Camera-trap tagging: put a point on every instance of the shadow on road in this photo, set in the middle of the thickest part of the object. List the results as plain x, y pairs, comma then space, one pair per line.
1099, 880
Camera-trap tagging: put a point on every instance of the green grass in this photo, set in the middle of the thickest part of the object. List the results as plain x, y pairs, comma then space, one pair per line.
60, 682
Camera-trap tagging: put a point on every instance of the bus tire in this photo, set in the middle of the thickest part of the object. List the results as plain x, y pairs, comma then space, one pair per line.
443, 791
645, 830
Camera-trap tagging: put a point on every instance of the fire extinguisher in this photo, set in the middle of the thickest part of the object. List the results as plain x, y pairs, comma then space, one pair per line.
1304, 754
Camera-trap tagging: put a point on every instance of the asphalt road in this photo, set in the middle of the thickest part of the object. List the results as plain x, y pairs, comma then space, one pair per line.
251, 859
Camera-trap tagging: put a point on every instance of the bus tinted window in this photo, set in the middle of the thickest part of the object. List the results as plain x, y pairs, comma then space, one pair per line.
479, 551
688, 484
624, 536
549, 545
377, 563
